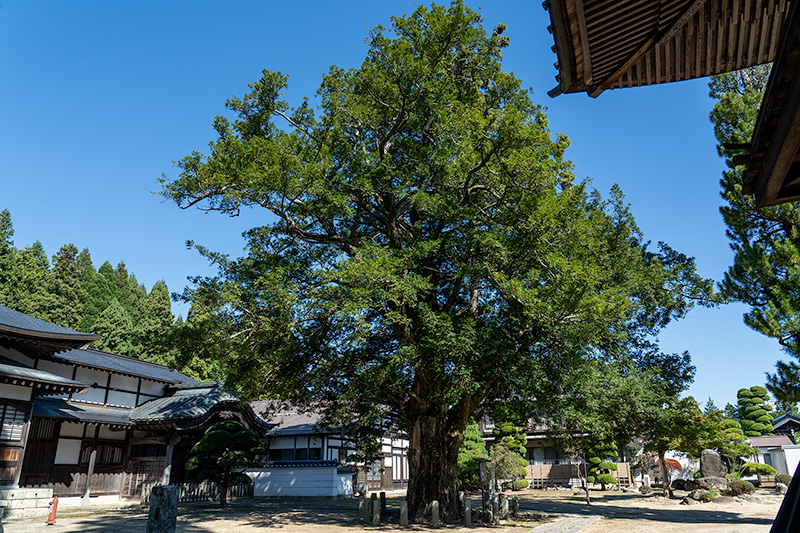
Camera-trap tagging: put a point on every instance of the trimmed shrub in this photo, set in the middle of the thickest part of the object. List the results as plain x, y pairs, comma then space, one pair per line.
744, 393
758, 390
607, 465
520, 484
606, 479
709, 495
590, 479
758, 469
786, 479
739, 487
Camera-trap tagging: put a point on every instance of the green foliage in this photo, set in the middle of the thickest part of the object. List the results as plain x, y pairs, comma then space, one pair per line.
473, 447
520, 484
430, 252
605, 479
697, 475
753, 411
739, 487
225, 447
786, 479
765, 241
606, 465
709, 495
758, 469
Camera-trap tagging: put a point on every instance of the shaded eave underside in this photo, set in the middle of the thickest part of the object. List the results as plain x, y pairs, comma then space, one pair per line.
610, 44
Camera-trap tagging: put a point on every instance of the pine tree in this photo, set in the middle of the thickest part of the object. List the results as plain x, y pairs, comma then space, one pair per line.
115, 328
61, 299
7, 259
100, 290
754, 411
31, 269
472, 448
155, 326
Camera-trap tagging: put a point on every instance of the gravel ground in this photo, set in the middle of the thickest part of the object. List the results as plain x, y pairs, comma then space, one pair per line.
548, 511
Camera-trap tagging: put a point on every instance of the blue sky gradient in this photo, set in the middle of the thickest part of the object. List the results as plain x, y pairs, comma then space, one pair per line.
98, 98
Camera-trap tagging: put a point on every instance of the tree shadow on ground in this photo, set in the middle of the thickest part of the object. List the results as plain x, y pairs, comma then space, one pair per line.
709, 513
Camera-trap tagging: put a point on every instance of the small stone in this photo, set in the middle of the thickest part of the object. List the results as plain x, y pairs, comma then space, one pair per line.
753, 499
689, 501
679, 484
696, 494
781, 488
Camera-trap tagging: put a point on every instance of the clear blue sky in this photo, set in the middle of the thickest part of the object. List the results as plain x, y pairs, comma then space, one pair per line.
98, 98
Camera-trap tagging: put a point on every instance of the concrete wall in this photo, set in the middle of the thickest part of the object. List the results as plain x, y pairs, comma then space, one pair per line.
301, 482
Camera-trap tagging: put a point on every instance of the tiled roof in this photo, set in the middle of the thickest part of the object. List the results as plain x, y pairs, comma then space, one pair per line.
289, 421
190, 401
17, 373
770, 442
81, 412
15, 319
300, 464
122, 364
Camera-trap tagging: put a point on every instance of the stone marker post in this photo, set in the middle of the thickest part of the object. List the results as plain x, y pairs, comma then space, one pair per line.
376, 511
404, 513
163, 509
515, 507
383, 504
371, 506
434, 513
502, 506
467, 510
362, 506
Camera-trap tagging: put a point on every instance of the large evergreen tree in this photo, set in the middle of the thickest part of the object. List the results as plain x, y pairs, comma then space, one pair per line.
754, 411
766, 241
430, 252
60, 299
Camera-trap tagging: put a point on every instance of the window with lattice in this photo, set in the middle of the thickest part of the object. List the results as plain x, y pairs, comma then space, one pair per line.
12, 421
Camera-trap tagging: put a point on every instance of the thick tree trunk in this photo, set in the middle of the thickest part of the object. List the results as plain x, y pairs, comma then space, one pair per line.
667, 483
433, 466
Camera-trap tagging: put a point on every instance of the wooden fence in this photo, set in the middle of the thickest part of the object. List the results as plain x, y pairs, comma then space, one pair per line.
201, 492
570, 475
101, 484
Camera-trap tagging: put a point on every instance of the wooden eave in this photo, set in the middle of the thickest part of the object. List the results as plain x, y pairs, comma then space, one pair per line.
612, 44
772, 159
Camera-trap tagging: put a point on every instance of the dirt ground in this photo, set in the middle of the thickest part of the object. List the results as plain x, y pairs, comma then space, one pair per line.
546, 512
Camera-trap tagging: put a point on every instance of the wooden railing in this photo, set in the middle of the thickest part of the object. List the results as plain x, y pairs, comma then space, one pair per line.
201, 492
101, 484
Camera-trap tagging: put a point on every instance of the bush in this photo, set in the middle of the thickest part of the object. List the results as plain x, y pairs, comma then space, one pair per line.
709, 495
520, 484
786, 479
607, 465
758, 469
606, 479
733, 475
739, 487
589, 479
697, 475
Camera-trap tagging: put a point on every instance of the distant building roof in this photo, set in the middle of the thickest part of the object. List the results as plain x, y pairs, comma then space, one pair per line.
70, 410
15, 373
122, 364
770, 442
189, 401
289, 420
37, 337
784, 419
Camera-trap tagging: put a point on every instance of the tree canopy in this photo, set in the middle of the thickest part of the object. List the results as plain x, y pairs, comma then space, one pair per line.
765, 241
425, 251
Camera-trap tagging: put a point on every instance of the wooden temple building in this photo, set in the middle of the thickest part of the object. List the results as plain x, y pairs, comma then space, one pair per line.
79, 422
612, 44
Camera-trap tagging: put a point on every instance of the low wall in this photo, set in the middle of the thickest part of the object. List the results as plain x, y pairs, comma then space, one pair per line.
25, 503
297, 480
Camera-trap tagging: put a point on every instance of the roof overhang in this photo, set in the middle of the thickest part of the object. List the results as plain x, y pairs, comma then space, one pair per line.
612, 44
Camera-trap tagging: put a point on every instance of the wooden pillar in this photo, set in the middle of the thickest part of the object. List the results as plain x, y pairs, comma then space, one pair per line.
21, 453
92, 458
167, 464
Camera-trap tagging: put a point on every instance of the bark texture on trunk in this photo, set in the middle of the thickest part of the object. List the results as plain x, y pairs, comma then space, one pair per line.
433, 467
667, 483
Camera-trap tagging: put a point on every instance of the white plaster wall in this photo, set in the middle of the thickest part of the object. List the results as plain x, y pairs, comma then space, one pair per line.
126, 399
152, 387
72, 429
15, 392
68, 451
89, 376
106, 433
91, 395
305, 482
59, 369
127, 383
281, 443
792, 454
